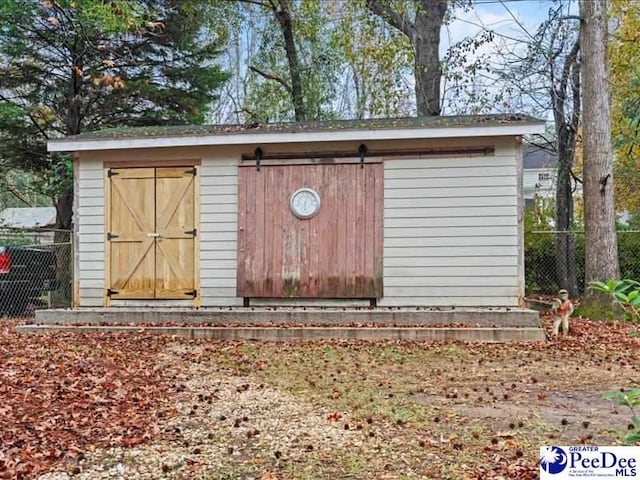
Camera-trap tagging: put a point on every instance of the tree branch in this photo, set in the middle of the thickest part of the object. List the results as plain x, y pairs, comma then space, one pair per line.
576, 89
572, 57
571, 17
398, 21
270, 76
13, 191
33, 120
254, 2
575, 177
517, 21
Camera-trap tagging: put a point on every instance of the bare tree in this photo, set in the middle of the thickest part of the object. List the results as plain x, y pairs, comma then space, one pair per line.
565, 100
601, 249
283, 14
537, 72
423, 31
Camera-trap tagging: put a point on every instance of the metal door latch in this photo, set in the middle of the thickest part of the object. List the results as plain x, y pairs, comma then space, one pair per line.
154, 235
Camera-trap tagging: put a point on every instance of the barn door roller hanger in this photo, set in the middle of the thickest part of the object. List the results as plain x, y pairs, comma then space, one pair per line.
362, 150
258, 153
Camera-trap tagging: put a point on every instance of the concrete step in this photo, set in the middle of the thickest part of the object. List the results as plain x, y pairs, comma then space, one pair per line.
287, 316
444, 334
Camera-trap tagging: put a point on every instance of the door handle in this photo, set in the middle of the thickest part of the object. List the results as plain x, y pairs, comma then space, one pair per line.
154, 235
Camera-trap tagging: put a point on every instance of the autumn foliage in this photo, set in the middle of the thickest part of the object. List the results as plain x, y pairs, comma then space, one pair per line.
63, 393
625, 79
64, 396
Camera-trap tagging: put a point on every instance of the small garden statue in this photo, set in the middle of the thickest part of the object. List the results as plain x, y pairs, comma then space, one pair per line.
561, 310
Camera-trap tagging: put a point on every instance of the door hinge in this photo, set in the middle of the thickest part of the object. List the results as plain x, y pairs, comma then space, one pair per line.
193, 232
111, 236
111, 292
192, 293
193, 171
111, 173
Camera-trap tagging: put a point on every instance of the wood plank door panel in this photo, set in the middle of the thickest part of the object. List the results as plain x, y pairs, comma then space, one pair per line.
153, 226
176, 229
132, 218
335, 254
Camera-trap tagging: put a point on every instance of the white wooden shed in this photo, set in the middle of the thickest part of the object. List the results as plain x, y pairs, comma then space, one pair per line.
416, 212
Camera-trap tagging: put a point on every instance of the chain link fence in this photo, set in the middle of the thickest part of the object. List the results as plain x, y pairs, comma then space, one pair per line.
36, 266
36, 270
555, 260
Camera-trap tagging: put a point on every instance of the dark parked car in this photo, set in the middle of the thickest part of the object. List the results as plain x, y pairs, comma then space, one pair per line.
26, 273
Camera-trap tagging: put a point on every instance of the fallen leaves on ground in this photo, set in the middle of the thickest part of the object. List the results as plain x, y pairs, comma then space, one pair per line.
465, 410
422, 410
65, 392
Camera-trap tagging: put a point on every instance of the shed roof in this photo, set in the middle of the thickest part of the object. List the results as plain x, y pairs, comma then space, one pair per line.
332, 130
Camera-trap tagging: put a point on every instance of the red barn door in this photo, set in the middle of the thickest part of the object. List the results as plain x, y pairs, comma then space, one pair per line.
336, 253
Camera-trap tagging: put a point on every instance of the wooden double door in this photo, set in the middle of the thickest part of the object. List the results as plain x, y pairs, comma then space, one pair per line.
152, 229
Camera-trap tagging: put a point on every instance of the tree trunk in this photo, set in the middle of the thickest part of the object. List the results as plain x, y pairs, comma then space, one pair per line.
64, 209
566, 134
424, 35
601, 249
63, 235
63, 249
426, 47
565, 244
283, 16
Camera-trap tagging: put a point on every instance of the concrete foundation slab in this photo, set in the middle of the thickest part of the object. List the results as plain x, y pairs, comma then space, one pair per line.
290, 316
469, 334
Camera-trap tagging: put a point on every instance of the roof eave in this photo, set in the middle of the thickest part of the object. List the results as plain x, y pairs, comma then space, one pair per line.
252, 138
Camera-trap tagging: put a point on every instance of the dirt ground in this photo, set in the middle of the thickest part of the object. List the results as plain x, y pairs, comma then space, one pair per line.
133, 406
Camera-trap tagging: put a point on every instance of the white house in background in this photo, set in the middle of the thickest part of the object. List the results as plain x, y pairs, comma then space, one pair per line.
28, 217
540, 172
540, 166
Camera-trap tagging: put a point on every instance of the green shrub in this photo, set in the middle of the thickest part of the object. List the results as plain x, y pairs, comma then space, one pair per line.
624, 293
631, 400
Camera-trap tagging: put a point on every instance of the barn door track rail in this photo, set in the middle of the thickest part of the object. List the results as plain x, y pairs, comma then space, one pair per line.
365, 155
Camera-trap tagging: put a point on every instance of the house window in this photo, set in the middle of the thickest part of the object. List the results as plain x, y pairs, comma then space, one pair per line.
544, 177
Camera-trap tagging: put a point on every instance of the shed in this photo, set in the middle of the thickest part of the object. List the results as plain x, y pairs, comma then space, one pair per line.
414, 212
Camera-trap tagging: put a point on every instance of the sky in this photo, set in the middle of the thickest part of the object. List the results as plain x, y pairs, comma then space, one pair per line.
509, 19
499, 15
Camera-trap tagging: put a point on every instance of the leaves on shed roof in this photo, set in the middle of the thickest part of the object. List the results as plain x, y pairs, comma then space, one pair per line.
319, 126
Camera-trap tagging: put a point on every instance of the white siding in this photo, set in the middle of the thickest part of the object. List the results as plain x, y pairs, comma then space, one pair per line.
218, 231
89, 223
451, 231
450, 227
